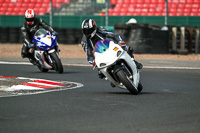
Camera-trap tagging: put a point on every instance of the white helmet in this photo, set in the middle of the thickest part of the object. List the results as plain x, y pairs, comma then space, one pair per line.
30, 16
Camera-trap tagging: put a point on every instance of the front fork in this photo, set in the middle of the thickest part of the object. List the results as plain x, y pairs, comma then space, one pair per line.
123, 67
127, 71
57, 48
49, 59
48, 55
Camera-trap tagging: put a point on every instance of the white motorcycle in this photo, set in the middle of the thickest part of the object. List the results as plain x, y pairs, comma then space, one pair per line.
117, 66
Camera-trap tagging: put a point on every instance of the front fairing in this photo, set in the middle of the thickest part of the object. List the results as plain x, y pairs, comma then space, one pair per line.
44, 40
45, 43
106, 52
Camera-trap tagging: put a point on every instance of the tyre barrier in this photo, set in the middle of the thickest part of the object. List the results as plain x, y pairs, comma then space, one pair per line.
69, 35
13, 35
4, 38
145, 38
65, 36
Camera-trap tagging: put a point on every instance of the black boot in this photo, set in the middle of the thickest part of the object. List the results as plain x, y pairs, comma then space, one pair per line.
32, 59
130, 52
112, 85
101, 75
139, 65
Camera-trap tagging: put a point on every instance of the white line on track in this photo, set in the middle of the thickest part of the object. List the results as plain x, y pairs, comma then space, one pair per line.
172, 67
16, 63
151, 67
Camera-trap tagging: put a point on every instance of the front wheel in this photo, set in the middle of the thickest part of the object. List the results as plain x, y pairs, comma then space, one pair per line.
39, 66
56, 62
140, 87
126, 82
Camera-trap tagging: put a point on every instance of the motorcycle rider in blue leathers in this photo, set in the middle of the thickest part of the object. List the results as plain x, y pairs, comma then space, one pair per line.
92, 34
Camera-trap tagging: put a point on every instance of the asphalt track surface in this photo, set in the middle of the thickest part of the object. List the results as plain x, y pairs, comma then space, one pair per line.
169, 102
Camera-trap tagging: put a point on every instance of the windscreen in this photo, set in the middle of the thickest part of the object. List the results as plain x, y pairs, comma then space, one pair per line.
41, 33
102, 45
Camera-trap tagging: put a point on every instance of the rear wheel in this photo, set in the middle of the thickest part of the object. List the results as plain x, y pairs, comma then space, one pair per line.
56, 62
126, 82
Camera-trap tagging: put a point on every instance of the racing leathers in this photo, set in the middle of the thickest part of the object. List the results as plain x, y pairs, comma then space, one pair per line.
28, 32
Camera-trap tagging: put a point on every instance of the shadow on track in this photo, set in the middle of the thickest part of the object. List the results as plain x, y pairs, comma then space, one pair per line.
128, 93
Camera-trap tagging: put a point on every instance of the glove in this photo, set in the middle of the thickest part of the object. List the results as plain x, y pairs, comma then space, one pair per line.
91, 62
122, 43
31, 45
54, 33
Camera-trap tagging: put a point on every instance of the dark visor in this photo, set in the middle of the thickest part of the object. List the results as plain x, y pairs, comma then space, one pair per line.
30, 19
88, 32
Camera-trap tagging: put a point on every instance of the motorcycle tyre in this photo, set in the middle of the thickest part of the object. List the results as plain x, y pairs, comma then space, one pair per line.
42, 69
58, 65
126, 82
140, 87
